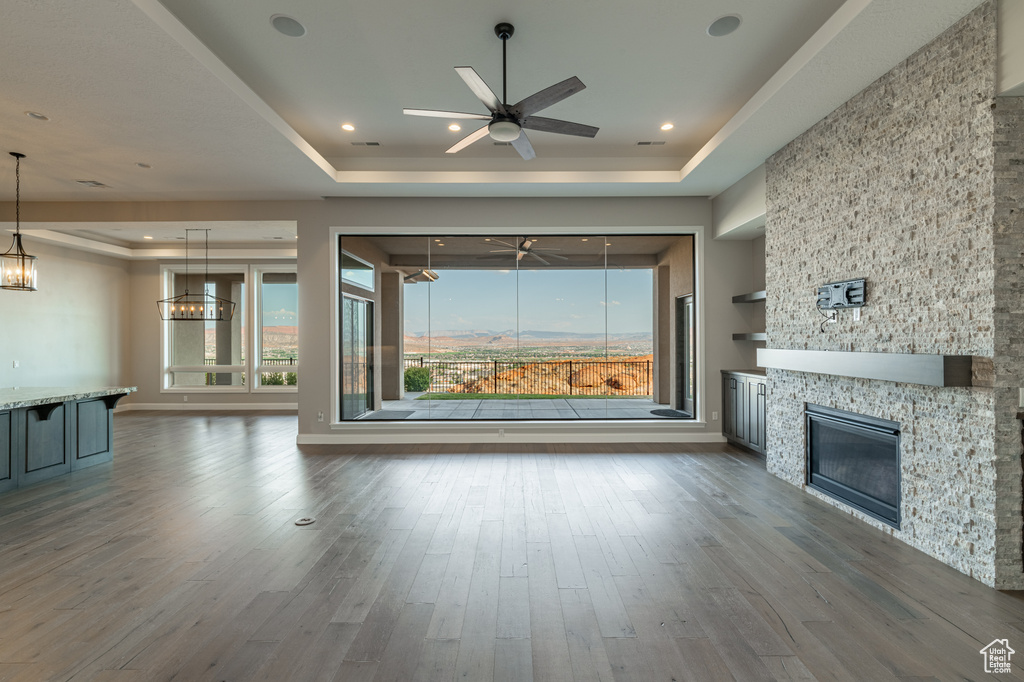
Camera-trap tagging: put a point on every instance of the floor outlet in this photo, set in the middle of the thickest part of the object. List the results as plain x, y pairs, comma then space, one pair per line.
184, 398
319, 416
714, 416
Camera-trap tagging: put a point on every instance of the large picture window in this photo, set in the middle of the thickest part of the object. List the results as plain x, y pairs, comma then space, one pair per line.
277, 340
224, 356
517, 327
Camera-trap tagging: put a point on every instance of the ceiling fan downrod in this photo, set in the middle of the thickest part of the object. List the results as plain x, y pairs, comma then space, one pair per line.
504, 30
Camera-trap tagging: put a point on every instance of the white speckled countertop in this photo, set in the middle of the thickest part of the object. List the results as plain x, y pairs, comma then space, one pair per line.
29, 396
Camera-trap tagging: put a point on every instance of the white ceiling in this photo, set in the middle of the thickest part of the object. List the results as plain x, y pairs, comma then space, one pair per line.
222, 107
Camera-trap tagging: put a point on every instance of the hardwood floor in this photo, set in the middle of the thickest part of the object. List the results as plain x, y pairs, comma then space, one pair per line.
181, 560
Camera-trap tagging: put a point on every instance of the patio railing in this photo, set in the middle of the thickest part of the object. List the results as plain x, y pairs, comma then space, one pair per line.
557, 377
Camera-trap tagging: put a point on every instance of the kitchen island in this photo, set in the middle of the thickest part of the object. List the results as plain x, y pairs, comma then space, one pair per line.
48, 432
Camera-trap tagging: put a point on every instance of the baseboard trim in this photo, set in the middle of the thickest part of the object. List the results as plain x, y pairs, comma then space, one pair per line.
510, 435
208, 407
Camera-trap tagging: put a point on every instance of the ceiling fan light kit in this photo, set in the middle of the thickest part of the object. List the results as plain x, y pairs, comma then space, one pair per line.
507, 123
504, 130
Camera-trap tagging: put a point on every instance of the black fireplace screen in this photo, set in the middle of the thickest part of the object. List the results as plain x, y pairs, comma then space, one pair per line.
856, 459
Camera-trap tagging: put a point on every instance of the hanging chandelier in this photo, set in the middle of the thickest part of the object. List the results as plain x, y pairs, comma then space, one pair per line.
17, 268
204, 307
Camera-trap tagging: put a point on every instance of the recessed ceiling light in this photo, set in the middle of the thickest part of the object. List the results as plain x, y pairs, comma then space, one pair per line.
487, 239
437, 240
723, 26
667, 126
584, 239
607, 243
143, 165
455, 127
147, 237
37, 116
288, 26
348, 126
440, 244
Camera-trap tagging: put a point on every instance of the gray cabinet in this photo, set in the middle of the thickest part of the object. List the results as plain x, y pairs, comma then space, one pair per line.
8, 467
743, 408
52, 439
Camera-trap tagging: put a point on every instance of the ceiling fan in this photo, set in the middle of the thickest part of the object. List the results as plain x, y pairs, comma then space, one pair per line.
507, 122
526, 247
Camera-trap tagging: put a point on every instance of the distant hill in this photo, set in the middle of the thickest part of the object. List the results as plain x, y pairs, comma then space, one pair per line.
438, 334
462, 341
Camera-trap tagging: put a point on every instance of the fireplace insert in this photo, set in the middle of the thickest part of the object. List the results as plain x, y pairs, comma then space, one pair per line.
855, 458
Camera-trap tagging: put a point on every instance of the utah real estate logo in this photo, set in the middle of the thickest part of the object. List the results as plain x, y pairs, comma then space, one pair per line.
997, 655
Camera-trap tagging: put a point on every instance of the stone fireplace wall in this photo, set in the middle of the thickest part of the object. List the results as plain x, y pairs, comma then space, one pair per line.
899, 186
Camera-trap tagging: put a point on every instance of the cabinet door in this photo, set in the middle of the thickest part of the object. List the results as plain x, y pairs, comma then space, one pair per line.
728, 405
740, 410
762, 414
8, 466
755, 414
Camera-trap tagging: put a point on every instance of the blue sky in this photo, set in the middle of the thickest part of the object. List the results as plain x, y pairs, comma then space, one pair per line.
546, 300
280, 305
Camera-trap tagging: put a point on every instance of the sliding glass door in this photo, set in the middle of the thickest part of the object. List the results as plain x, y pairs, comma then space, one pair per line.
356, 357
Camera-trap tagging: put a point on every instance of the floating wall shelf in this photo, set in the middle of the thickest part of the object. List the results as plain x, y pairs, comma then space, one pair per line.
750, 298
910, 368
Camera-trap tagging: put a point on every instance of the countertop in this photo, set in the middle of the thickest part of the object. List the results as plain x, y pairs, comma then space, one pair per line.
30, 396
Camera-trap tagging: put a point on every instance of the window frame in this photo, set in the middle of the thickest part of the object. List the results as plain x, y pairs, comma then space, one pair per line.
353, 283
258, 369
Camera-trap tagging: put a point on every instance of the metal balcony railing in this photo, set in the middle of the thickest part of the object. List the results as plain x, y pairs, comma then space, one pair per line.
555, 377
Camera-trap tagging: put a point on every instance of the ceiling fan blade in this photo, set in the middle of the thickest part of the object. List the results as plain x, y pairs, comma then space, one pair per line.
480, 89
508, 257
467, 140
548, 254
444, 114
553, 125
546, 97
498, 241
502, 251
532, 254
523, 146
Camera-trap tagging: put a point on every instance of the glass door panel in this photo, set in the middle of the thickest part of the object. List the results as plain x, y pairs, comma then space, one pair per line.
356, 357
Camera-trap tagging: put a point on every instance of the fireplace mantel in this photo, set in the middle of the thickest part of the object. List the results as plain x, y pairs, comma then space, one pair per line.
911, 368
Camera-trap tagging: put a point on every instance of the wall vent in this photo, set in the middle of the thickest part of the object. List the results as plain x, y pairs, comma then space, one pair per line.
650, 143
91, 183
502, 144
365, 144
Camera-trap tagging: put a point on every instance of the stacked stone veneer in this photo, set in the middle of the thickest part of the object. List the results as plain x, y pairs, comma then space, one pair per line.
914, 184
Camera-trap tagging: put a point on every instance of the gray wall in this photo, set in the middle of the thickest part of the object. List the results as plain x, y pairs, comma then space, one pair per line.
74, 330
897, 186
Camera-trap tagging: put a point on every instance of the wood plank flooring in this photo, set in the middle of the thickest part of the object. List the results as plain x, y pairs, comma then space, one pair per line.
181, 561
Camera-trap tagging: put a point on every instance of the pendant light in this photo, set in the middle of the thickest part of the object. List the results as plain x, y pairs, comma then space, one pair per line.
17, 268
204, 307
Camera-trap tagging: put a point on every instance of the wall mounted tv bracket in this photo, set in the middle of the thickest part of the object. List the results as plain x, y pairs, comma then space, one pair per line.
847, 294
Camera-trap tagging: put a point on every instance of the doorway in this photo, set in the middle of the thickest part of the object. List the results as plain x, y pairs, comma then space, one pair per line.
686, 354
